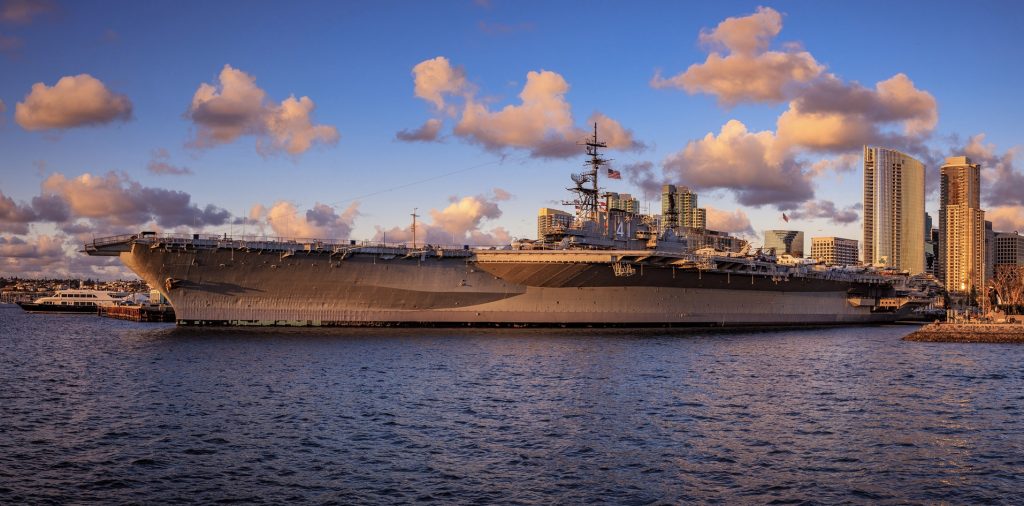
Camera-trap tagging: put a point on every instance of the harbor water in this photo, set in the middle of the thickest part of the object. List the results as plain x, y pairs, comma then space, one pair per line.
110, 411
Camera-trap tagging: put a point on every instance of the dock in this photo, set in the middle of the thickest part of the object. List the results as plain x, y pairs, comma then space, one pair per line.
161, 313
970, 333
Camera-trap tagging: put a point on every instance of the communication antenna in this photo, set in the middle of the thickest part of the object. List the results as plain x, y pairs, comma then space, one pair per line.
414, 216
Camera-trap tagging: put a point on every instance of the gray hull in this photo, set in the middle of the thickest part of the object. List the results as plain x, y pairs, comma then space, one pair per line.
227, 286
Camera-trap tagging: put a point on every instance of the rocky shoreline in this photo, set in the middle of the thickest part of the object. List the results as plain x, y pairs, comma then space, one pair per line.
969, 333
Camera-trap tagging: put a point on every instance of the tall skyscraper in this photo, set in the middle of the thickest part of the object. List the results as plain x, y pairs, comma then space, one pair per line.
834, 250
961, 227
785, 242
893, 210
679, 208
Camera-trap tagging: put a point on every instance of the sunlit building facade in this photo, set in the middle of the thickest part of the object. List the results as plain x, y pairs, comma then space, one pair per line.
894, 215
552, 220
834, 250
961, 227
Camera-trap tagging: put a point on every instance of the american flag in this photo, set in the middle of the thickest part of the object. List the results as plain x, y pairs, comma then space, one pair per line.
784, 217
614, 174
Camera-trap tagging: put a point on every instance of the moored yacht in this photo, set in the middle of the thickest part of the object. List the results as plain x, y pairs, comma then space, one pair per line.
74, 301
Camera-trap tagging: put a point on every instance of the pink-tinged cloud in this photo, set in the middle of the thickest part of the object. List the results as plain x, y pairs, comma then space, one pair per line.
1006, 218
74, 101
461, 222
435, 78
830, 115
55, 256
735, 222
541, 123
1002, 181
748, 164
320, 222
23, 11
160, 165
428, 132
39, 256
30, 257
748, 71
235, 106
15, 217
118, 200
826, 210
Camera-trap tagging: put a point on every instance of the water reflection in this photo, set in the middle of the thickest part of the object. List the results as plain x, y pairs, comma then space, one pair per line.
116, 411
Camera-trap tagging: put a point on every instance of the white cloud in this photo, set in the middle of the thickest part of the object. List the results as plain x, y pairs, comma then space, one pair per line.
745, 163
119, 200
74, 101
735, 222
748, 72
541, 123
1008, 218
461, 222
320, 222
236, 107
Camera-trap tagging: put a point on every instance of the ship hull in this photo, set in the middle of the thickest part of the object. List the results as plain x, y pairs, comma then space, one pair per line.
244, 287
33, 307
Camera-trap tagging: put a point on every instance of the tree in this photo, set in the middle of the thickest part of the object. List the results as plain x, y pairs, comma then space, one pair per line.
1009, 284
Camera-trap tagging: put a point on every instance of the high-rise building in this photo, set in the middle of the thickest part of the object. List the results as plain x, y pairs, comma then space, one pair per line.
623, 202
1009, 249
990, 250
834, 250
930, 245
961, 227
679, 208
893, 210
785, 242
551, 221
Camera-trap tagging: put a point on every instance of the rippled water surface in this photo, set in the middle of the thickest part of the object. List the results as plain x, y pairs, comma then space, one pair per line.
111, 411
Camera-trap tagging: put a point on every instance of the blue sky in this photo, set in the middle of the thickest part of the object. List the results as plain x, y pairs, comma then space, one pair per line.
354, 60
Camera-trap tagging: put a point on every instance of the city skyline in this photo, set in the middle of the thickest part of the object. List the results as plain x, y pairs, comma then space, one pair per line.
113, 120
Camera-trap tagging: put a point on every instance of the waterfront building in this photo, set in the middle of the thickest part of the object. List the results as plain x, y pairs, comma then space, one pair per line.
679, 208
1009, 249
834, 250
893, 210
961, 227
785, 242
551, 221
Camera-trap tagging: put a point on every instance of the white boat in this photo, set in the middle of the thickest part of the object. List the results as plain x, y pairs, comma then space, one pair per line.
74, 301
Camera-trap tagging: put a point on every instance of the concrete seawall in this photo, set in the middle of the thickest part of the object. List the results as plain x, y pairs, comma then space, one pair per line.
969, 333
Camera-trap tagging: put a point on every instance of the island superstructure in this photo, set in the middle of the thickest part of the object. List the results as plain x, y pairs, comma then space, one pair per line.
604, 267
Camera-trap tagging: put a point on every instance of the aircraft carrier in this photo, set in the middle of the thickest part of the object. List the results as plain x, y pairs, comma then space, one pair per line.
605, 268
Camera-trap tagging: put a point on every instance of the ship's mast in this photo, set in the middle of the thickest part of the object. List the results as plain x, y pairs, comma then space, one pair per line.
587, 197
